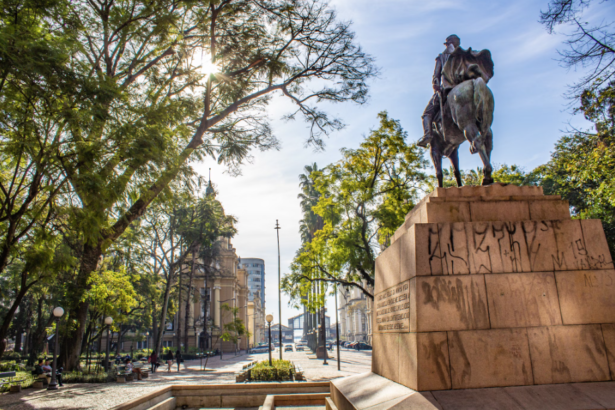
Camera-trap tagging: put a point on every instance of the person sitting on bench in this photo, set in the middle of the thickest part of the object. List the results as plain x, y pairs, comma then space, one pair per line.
48, 370
130, 368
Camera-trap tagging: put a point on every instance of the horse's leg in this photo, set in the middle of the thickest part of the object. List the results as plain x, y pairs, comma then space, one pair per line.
436, 158
454, 157
485, 156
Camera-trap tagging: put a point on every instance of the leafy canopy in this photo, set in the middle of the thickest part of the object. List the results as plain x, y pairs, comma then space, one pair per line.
363, 199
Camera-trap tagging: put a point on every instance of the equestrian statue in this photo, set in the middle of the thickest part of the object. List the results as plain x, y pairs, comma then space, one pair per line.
461, 108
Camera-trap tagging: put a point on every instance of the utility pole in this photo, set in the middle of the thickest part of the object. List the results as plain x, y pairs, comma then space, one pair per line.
277, 228
337, 331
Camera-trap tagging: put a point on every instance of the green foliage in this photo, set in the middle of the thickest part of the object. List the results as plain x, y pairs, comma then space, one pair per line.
233, 330
10, 367
282, 370
505, 174
581, 171
29, 380
362, 200
112, 293
88, 377
104, 106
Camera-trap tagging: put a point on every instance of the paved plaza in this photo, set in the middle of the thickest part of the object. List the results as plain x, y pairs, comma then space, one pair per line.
108, 395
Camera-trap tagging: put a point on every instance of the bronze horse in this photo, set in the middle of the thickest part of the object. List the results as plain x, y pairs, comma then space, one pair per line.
467, 112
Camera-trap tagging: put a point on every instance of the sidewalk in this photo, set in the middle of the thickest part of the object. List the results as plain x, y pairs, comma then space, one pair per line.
108, 395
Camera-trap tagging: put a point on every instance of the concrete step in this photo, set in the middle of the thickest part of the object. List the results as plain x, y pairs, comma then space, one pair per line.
168, 404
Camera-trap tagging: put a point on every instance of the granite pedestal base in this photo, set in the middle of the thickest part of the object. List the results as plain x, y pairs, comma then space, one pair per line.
494, 286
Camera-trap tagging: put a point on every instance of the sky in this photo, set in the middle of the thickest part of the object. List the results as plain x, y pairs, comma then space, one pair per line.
405, 37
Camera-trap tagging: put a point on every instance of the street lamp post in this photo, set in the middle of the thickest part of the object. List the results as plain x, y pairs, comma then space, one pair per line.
337, 331
277, 228
147, 339
269, 320
108, 323
57, 313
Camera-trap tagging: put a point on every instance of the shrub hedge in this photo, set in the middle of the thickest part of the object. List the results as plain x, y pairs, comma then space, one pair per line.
29, 379
282, 370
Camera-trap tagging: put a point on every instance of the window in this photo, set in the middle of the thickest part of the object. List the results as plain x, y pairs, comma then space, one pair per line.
167, 343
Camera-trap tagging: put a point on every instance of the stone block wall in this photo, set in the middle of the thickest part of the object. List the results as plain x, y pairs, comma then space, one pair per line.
494, 286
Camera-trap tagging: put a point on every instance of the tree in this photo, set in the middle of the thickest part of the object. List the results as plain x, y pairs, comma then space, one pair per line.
201, 226
505, 174
30, 175
233, 330
588, 45
363, 199
140, 99
582, 166
581, 171
311, 222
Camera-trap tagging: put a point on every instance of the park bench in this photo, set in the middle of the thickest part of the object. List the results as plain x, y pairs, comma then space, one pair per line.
41, 381
8, 379
124, 375
143, 368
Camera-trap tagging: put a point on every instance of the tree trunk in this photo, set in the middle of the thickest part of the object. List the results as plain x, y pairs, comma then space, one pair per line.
165, 305
179, 310
78, 313
18, 332
19, 324
38, 339
102, 326
8, 318
167, 291
28, 327
189, 295
154, 327
323, 331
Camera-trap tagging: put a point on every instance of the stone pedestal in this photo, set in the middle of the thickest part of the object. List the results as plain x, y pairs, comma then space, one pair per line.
494, 286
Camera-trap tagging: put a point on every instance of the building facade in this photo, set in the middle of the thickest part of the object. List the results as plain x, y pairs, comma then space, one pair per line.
355, 315
287, 334
256, 320
298, 325
216, 294
255, 269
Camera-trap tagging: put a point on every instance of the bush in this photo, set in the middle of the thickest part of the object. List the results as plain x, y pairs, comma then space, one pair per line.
20, 375
282, 370
10, 367
11, 355
88, 377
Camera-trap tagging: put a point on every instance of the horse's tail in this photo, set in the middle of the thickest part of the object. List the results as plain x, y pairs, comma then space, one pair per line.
483, 101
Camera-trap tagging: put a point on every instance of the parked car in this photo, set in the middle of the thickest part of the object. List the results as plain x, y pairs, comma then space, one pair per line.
288, 348
300, 348
277, 344
362, 346
260, 349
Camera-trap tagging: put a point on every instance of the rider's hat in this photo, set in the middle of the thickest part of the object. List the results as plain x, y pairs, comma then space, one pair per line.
453, 38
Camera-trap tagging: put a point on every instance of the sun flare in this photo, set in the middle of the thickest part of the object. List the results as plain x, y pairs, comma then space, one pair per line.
208, 66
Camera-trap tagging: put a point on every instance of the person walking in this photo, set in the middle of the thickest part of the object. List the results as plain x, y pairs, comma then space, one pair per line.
153, 359
169, 359
178, 359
